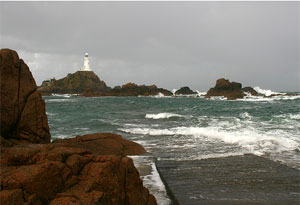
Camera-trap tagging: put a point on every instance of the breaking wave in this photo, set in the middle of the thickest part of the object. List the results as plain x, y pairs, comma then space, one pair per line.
200, 93
250, 139
63, 95
266, 92
163, 115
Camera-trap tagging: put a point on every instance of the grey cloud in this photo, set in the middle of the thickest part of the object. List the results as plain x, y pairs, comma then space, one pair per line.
170, 44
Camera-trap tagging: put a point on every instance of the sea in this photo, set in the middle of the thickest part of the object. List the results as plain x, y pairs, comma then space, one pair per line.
185, 128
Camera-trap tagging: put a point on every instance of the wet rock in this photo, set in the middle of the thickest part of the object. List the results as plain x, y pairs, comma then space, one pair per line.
57, 173
231, 90
23, 115
250, 90
185, 91
12, 197
105, 143
131, 89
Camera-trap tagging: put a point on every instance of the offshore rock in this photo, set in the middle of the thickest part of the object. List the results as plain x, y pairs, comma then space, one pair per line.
250, 90
105, 144
75, 83
130, 89
60, 174
23, 114
231, 90
185, 91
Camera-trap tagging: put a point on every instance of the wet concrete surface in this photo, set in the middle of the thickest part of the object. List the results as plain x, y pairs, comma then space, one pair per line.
246, 179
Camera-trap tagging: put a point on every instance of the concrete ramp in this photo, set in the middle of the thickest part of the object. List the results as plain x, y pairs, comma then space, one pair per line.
246, 179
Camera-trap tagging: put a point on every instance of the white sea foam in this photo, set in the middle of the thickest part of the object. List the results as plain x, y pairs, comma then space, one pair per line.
266, 92
220, 155
163, 115
295, 116
50, 114
59, 100
159, 95
245, 115
81, 128
199, 93
59, 136
250, 139
288, 117
62, 95
152, 179
251, 98
174, 91
217, 98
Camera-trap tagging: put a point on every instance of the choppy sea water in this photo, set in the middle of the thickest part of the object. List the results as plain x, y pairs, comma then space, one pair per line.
184, 128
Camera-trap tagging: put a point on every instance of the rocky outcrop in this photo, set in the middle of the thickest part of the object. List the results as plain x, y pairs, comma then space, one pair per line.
130, 89
61, 174
23, 116
105, 144
185, 91
75, 83
251, 91
230, 90
89, 169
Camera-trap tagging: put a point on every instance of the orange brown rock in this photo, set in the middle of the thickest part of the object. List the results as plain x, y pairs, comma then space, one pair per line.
105, 143
23, 115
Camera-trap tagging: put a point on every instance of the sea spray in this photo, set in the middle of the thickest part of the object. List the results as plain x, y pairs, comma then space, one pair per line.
266, 92
162, 115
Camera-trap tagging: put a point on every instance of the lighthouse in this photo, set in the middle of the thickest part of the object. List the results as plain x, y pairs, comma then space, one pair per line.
86, 64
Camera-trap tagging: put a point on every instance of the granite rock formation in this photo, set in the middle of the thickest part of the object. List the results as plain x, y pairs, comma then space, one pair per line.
75, 83
250, 90
231, 90
23, 116
104, 144
61, 174
185, 91
130, 89
89, 169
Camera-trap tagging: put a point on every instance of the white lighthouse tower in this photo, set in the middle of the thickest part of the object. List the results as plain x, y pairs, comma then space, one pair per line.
86, 64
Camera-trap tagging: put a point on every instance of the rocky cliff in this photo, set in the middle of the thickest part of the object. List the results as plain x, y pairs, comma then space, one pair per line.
89, 169
75, 83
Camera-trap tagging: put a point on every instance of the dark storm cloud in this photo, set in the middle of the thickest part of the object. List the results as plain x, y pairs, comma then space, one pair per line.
170, 44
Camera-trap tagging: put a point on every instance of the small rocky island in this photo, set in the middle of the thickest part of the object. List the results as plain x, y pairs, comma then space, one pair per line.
75, 83
185, 91
88, 169
230, 90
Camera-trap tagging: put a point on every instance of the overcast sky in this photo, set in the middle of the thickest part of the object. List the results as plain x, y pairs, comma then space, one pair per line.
170, 44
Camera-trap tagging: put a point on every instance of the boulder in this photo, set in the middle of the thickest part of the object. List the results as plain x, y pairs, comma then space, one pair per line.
250, 90
23, 114
231, 90
105, 144
185, 91
61, 174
